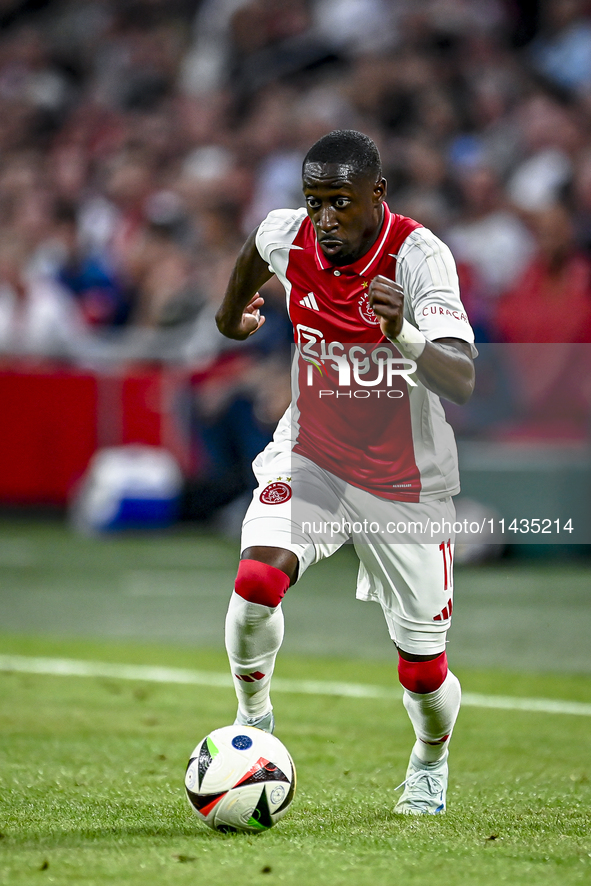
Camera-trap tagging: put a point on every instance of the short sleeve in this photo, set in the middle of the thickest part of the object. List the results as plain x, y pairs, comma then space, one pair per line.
427, 273
278, 231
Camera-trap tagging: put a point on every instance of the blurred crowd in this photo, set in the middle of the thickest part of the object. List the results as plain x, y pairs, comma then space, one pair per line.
142, 140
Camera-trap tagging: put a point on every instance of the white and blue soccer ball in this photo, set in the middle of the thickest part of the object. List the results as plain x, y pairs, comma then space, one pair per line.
240, 779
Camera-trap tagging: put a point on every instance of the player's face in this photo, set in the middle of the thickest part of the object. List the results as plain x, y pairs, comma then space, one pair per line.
345, 209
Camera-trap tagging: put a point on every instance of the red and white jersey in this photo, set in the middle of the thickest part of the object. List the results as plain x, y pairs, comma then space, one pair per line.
395, 444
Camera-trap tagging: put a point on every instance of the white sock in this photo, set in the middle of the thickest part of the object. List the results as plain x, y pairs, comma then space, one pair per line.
254, 634
433, 716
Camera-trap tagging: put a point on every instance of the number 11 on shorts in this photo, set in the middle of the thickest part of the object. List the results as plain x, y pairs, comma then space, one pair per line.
447, 564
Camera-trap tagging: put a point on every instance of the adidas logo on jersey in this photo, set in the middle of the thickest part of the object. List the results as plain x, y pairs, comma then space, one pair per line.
309, 301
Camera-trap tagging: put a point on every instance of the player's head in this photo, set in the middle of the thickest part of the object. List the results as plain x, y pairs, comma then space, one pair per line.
344, 191
349, 148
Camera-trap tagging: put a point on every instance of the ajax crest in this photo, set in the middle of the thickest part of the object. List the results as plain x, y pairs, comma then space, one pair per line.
275, 494
366, 312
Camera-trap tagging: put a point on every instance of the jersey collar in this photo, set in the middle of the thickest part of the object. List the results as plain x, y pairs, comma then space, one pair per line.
364, 264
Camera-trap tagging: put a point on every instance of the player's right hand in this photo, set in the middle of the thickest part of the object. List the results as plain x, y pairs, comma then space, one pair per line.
238, 325
252, 319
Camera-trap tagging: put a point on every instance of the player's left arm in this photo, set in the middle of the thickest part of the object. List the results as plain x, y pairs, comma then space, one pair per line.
444, 365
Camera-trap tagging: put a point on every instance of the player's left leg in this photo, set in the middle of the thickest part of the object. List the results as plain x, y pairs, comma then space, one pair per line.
413, 583
431, 697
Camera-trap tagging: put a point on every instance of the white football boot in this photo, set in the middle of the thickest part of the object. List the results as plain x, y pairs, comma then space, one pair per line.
425, 787
266, 722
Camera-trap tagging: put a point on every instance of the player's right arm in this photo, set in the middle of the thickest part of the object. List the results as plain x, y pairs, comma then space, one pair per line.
239, 314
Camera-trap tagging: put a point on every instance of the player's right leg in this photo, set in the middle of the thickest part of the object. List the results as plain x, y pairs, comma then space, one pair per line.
254, 629
275, 553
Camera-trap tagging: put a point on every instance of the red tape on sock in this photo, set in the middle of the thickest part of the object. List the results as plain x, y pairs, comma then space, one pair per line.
422, 676
260, 583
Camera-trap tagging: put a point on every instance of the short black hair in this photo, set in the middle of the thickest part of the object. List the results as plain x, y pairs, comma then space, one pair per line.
347, 147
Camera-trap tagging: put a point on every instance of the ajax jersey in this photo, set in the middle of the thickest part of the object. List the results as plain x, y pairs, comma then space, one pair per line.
358, 410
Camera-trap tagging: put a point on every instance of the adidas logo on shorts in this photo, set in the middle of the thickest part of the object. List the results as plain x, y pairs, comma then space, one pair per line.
445, 612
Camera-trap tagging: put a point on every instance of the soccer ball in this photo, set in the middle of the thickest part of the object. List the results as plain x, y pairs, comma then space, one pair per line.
240, 779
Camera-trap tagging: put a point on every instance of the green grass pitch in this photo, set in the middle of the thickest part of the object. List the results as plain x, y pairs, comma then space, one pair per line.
91, 769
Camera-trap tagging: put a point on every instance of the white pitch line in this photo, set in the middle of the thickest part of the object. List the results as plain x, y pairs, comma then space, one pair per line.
69, 667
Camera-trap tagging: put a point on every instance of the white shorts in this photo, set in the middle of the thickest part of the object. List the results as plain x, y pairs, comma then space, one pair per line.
405, 549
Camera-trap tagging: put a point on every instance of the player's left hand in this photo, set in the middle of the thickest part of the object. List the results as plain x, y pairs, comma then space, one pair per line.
387, 300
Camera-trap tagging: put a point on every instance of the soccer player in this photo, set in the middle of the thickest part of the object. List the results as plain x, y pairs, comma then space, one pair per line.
366, 290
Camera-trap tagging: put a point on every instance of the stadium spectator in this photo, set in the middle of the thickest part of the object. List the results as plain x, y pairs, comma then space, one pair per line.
489, 238
551, 299
547, 318
551, 137
581, 201
37, 316
102, 299
562, 49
